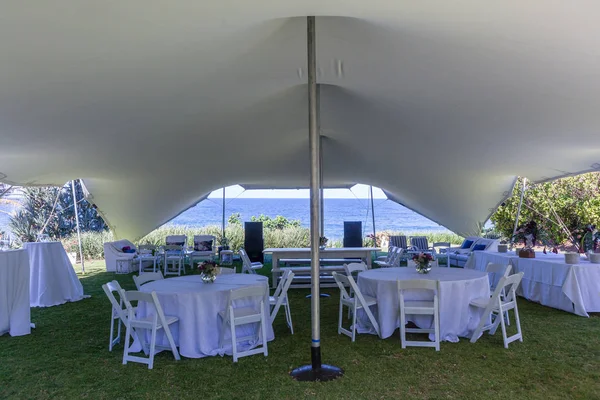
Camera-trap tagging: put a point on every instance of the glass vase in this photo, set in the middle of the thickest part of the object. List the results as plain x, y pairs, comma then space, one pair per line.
208, 278
423, 268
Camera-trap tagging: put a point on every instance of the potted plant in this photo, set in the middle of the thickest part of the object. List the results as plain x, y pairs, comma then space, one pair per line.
323, 242
587, 241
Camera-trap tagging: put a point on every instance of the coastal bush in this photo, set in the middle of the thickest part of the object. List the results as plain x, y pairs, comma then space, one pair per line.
576, 201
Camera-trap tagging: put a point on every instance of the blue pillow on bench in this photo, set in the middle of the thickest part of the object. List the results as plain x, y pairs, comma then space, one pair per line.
467, 244
479, 247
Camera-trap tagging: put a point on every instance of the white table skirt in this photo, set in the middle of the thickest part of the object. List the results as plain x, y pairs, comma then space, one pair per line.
53, 280
14, 293
549, 281
197, 306
457, 288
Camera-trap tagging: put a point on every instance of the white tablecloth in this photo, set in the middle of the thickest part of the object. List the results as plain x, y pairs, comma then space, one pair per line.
197, 306
14, 293
548, 280
52, 278
457, 288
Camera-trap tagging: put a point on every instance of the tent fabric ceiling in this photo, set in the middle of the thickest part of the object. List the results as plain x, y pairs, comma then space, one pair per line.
156, 104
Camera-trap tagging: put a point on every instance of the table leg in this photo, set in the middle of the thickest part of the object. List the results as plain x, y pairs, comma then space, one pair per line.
275, 270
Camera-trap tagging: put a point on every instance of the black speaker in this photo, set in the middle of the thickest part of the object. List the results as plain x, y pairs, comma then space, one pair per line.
353, 234
253, 241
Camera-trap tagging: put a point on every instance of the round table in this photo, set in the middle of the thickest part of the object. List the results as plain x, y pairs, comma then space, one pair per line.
53, 280
457, 287
197, 306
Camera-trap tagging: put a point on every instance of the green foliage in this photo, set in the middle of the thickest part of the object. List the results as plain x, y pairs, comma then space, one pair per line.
279, 222
576, 200
37, 208
235, 219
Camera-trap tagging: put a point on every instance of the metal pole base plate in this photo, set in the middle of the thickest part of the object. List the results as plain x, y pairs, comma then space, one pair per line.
326, 373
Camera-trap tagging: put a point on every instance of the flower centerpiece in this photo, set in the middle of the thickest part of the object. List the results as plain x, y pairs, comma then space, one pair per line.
373, 240
208, 271
531, 234
322, 242
587, 239
423, 262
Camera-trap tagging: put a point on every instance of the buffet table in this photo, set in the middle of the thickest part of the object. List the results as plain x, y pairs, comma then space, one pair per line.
14, 293
197, 306
548, 280
52, 278
457, 287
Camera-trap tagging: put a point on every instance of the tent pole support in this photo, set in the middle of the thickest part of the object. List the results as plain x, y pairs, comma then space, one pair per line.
77, 224
316, 371
520, 205
223, 224
373, 216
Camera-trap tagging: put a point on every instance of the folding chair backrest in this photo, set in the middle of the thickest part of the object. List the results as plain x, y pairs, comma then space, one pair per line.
343, 282
117, 305
247, 265
425, 284
226, 271
507, 286
147, 277
281, 283
149, 298
398, 241
497, 271
390, 253
202, 240
354, 267
247, 292
396, 257
442, 244
420, 242
174, 249
179, 240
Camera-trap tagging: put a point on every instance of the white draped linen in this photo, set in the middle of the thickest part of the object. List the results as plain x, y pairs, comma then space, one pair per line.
197, 306
14, 293
53, 280
549, 281
457, 287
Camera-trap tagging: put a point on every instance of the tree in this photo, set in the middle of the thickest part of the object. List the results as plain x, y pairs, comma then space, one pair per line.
50, 210
279, 222
575, 200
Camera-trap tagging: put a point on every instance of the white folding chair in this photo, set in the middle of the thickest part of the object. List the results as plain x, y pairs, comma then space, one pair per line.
147, 277
226, 271
248, 266
393, 260
235, 315
118, 313
280, 298
495, 272
410, 307
494, 307
174, 260
145, 254
153, 322
353, 269
357, 301
413, 264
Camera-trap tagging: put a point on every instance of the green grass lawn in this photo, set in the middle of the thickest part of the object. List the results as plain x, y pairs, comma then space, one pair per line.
67, 356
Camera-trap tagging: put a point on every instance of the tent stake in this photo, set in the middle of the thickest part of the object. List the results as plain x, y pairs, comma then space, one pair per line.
316, 371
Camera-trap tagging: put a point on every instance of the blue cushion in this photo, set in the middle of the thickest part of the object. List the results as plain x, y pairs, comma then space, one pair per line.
467, 244
478, 247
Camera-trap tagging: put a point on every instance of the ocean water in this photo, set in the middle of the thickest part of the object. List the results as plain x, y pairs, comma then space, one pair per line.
388, 215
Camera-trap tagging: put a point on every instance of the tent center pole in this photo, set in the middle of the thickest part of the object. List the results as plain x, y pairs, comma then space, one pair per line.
316, 371
77, 224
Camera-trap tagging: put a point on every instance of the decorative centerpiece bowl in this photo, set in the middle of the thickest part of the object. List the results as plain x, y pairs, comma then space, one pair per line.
502, 248
423, 262
594, 258
208, 271
572, 258
527, 252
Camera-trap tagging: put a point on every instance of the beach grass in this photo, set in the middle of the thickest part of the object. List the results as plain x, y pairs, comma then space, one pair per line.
67, 357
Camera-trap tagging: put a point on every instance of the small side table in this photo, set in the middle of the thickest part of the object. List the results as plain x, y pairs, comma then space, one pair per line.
226, 257
123, 265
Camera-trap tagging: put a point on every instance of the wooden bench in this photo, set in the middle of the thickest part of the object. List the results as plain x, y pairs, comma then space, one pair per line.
306, 261
302, 276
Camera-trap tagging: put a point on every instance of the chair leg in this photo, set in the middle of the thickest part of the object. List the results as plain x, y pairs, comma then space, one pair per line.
354, 322
126, 347
402, 327
288, 315
263, 331
152, 348
169, 335
518, 322
233, 340
436, 321
340, 318
112, 324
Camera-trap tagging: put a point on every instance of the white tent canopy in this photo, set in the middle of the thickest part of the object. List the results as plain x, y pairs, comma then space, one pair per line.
155, 104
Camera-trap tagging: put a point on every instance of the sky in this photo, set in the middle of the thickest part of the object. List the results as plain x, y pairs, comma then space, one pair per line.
357, 191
